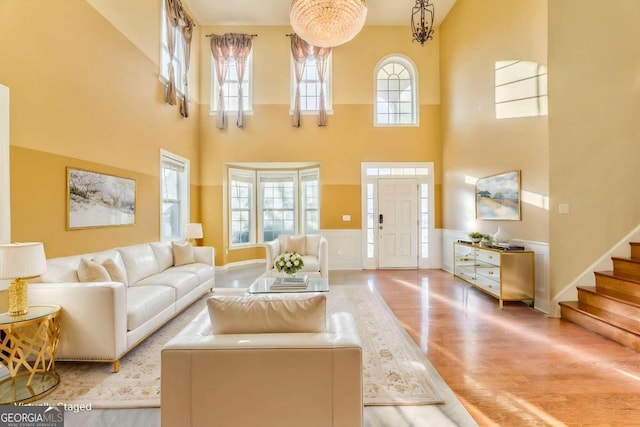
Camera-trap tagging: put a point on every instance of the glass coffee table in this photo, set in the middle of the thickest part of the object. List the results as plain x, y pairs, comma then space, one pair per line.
263, 285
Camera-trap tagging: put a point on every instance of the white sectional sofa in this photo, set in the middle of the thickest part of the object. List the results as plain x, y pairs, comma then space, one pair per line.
102, 320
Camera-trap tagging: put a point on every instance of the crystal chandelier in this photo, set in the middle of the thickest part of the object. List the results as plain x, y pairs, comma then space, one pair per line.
422, 17
327, 23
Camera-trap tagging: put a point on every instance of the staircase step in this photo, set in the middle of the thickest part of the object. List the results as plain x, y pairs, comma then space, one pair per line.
629, 267
621, 283
635, 250
610, 325
613, 301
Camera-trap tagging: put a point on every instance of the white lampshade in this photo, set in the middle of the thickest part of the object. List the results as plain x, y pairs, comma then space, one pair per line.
193, 231
21, 260
327, 23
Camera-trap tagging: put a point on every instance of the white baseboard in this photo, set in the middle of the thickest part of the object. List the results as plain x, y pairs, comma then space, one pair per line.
239, 264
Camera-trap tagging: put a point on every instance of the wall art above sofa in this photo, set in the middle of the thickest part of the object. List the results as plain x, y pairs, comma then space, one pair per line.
99, 200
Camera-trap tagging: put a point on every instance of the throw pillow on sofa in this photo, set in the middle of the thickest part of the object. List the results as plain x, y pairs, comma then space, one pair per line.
295, 244
90, 270
261, 314
114, 270
182, 253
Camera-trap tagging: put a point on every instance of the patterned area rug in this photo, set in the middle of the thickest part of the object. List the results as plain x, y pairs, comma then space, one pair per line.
395, 371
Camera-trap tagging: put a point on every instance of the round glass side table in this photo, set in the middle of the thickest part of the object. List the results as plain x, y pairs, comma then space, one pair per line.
28, 345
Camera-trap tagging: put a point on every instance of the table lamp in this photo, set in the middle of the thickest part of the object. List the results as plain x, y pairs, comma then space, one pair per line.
193, 231
20, 262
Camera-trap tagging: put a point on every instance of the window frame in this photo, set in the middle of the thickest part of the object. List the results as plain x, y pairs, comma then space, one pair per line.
411, 68
251, 176
215, 87
185, 195
296, 174
178, 59
328, 82
276, 174
302, 173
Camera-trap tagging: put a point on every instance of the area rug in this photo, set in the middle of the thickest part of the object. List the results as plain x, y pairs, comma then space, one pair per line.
395, 372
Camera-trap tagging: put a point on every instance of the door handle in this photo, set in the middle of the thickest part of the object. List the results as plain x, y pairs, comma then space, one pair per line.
381, 219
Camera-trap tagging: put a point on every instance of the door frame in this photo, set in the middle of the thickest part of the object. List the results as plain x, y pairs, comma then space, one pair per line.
369, 186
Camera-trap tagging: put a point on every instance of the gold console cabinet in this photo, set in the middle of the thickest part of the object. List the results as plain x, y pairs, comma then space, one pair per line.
505, 275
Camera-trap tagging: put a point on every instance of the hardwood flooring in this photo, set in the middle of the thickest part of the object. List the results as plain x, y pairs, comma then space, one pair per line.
510, 367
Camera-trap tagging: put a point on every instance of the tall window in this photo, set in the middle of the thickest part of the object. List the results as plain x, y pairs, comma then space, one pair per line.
241, 202
278, 204
310, 87
178, 57
231, 88
310, 201
174, 187
284, 202
396, 92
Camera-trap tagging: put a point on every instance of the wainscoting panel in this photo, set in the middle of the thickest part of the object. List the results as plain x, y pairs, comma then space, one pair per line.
345, 249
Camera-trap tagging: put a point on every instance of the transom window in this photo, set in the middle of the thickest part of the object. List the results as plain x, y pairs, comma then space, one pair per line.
396, 92
282, 202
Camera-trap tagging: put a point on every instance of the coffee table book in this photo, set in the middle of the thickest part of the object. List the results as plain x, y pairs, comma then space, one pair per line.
290, 283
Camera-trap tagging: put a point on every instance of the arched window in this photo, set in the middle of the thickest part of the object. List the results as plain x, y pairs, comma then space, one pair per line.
396, 101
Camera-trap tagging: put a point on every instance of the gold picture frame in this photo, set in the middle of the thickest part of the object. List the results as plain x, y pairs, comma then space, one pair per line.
96, 199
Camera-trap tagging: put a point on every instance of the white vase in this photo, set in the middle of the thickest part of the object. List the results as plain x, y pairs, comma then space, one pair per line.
501, 236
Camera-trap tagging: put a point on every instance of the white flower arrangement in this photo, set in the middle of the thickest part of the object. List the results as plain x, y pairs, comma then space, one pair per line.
289, 263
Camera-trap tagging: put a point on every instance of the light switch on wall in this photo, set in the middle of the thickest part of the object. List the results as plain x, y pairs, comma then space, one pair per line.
563, 208
346, 218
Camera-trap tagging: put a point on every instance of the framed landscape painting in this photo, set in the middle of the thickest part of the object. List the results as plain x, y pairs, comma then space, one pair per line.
498, 197
99, 200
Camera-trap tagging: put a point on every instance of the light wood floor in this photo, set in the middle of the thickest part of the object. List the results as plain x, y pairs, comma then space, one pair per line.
511, 367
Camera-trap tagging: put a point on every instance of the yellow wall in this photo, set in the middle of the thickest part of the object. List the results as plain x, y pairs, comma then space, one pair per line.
593, 130
84, 95
139, 21
475, 144
94, 102
339, 148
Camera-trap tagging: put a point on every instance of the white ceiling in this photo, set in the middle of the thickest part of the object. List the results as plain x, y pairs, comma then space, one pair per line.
276, 12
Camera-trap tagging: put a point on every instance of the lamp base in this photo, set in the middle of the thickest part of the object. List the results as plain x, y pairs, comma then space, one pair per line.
18, 297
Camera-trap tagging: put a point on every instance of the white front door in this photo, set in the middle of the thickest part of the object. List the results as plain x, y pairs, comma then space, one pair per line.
398, 223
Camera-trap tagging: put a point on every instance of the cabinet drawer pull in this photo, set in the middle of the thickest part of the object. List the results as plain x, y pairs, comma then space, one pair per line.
491, 273
491, 286
490, 256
